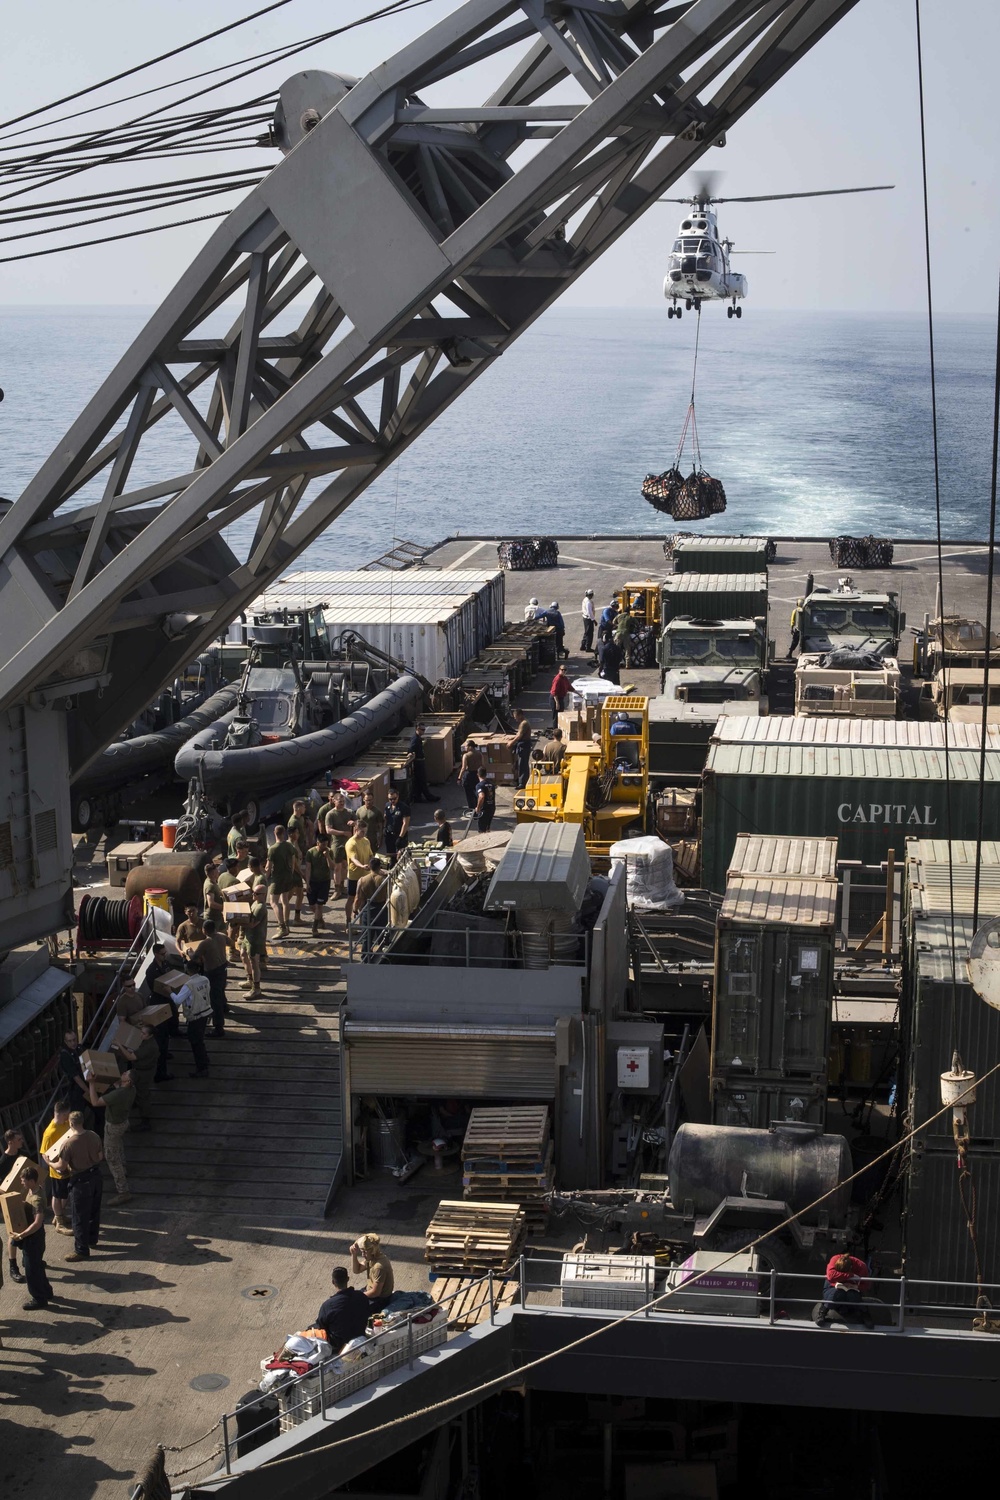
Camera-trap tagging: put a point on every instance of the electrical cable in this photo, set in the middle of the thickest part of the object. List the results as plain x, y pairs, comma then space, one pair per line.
516, 1376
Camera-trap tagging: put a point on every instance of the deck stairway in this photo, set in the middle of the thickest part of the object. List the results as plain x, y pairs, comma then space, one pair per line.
262, 1134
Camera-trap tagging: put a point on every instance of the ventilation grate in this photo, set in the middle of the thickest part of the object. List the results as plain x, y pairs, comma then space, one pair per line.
46, 832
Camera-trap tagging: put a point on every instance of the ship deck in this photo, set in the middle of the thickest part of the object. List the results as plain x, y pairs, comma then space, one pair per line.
225, 1247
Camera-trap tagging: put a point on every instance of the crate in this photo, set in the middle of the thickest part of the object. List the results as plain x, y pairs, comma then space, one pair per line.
465, 1300
621, 1283
507, 1139
475, 1236
123, 858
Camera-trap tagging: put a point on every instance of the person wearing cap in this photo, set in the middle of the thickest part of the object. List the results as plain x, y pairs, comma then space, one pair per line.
589, 618
368, 1256
531, 609
605, 629
552, 616
559, 693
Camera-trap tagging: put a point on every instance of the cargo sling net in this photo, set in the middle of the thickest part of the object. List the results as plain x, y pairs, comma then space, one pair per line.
861, 551
699, 495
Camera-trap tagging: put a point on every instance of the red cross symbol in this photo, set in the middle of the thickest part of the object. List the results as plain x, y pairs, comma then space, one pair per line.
632, 1066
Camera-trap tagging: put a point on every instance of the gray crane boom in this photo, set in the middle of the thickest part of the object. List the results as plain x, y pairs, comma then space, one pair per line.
427, 240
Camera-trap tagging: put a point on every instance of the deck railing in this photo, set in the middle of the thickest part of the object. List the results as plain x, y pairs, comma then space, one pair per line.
898, 1305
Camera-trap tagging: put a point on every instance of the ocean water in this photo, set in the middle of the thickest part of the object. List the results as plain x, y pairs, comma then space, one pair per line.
816, 423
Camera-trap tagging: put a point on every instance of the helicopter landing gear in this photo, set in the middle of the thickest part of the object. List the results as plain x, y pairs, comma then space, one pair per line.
673, 312
729, 312
688, 304
739, 312
734, 311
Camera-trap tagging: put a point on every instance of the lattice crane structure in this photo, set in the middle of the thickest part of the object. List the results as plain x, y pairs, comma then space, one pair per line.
427, 239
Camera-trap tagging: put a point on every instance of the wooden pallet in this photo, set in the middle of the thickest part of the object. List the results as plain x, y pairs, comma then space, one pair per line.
474, 1236
507, 1177
507, 1136
470, 1296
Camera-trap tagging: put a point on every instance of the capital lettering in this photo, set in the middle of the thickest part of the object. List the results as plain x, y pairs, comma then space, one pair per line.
929, 822
914, 816
875, 811
844, 812
859, 816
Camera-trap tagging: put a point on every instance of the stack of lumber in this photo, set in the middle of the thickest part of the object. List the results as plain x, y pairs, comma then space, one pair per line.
507, 1157
466, 1299
472, 1238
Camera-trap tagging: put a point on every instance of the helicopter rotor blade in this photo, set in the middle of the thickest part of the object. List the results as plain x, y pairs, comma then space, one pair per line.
704, 187
885, 187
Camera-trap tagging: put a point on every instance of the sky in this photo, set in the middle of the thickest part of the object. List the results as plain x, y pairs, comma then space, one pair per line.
845, 116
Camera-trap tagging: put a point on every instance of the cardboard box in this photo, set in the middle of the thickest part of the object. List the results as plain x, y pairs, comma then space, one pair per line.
15, 1215
102, 1067
439, 753
237, 912
167, 984
123, 858
12, 1182
154, 1015
127, 1035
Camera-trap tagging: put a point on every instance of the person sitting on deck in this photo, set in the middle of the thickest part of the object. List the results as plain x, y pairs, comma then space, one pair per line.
368, 1256
846, 1280
344, 1315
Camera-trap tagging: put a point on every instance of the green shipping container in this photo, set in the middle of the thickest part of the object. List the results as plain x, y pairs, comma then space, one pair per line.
720, 554
715, 596
873, 797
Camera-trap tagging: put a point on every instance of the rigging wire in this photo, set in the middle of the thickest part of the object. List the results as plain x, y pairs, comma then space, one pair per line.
937, 518
392, 8
174, 200
980, 807
151, 62
221, 213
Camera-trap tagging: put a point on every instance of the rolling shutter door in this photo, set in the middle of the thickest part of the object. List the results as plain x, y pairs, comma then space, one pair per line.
468, 1062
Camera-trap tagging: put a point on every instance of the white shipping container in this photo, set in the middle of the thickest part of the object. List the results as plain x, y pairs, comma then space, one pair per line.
487, 587
428, 638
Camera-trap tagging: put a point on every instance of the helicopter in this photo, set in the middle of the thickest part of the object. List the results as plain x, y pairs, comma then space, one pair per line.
699, 269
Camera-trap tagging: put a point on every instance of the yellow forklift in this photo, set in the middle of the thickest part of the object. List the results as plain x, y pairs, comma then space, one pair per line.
603, 786
643, 600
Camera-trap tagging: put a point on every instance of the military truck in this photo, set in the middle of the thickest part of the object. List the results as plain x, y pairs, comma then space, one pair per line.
847, 685
953, 642
848, 619
712, 649
708, 667
956, 693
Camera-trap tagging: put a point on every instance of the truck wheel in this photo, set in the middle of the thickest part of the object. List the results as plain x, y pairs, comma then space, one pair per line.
83, 814
252, 810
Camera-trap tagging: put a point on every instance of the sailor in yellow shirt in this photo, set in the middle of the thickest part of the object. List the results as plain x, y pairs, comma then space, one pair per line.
54, 1131
359, 858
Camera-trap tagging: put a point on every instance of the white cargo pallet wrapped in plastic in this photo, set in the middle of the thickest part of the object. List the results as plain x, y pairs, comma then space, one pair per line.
649, 872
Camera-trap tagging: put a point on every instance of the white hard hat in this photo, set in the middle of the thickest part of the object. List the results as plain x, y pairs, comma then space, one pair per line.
532, 601
589, 594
